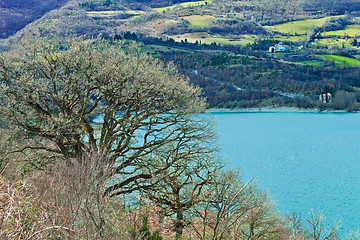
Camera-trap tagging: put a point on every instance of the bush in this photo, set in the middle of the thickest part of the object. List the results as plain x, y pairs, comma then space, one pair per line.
345, 100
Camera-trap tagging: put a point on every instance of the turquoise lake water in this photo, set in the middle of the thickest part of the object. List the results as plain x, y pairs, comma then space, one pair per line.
307, 161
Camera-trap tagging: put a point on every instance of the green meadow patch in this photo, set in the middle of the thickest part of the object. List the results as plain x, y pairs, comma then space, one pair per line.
199, 21
350, 30
299, 27
335, 42
134, 12
340, 60
203, 37
185, 5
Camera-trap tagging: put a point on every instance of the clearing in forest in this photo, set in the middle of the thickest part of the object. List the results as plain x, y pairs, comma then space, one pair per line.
340, 60
199, 21
299, 27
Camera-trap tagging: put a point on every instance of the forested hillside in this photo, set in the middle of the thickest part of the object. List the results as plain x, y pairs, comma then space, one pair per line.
222, 46
230, 81
331, 6
15, 14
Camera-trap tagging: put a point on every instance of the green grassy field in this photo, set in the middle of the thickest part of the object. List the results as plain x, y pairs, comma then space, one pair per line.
298, 27
198, 21
208, 39
185, 5
350, 30
340, 60
331, 41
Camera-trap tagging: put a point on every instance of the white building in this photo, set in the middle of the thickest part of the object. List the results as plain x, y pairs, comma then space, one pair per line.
325, 97
279, 48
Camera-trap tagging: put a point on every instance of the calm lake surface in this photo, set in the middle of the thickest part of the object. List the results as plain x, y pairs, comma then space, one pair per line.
307, 161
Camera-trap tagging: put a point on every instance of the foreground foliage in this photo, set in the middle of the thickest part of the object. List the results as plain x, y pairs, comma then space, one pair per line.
52, 93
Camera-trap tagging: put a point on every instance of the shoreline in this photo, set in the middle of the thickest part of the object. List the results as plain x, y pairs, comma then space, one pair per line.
270, 109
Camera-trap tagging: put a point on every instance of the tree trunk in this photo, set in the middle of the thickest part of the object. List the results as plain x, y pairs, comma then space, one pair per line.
179, 224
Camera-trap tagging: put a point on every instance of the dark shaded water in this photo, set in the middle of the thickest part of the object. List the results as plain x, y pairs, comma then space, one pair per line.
307, 161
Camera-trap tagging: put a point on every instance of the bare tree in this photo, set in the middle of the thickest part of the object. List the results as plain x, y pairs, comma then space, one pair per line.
296, 226
66, 202
7, 138
73, 196
317, 229
235, 210
345, 100
352, 236
184, 183
20, 216
53, 90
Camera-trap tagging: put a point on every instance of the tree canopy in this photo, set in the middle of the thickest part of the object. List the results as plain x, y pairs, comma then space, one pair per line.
53, 91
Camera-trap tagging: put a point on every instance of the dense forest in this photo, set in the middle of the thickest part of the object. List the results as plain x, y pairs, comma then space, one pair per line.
331, 6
